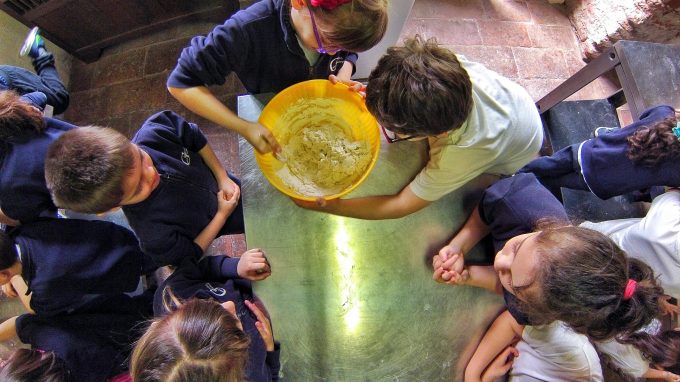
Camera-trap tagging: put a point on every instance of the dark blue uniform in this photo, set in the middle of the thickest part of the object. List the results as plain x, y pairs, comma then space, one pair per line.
600, 165
95, 344
185, 201
23, 191
69, 264
215, 278
512, 207
259, 45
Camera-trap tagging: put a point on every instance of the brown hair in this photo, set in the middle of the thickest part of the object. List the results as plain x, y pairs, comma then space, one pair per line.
652, 144
356, 26
419, 89
85, 168
580, 280
662, 349
200, 341
26, 365
18, 118
8, 252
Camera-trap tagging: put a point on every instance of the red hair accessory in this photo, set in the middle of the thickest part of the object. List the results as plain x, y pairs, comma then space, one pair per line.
630, 289
329, 4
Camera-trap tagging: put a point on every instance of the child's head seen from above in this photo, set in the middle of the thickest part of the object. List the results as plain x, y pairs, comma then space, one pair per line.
28, 365
201, 340
333, 25
581, 277
419, 89
95, 169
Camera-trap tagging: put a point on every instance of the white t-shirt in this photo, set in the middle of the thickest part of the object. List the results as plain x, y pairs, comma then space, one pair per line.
502, 134
554, 352
654, 239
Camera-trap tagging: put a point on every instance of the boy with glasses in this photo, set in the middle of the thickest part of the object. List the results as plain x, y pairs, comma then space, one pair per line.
475, 120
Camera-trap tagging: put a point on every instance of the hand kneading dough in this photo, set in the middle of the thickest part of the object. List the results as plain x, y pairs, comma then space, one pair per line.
321, 156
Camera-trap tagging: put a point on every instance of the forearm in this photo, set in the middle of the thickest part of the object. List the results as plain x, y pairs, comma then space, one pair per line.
471, 233
378, 207
210, 231
202, 102
213, 163
20, 286
484, 276
8, 329
499, 336
4, 219
345, 72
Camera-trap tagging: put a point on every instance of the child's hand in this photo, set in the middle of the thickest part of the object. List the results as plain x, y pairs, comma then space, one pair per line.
666, 307
444, 274
449, 266
229, 187
263, 325
227, 204
9, 291
354, 86
500, 365
253, 265
261, 138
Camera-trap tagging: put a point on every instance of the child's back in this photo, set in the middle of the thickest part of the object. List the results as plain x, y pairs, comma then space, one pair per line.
69, 263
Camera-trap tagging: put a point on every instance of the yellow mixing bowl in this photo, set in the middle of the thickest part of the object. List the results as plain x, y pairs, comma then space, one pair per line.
350, 108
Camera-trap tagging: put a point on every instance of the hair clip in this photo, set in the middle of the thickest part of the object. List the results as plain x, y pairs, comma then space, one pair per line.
676, 130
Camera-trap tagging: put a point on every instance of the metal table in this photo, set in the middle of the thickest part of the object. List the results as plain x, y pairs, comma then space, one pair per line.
354, 300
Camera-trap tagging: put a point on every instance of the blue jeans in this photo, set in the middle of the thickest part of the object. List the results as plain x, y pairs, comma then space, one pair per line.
47, 81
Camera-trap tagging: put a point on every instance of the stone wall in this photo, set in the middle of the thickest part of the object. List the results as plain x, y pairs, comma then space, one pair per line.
600, 23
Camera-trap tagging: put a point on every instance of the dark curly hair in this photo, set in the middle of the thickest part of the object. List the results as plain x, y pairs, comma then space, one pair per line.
652, 144
580, 280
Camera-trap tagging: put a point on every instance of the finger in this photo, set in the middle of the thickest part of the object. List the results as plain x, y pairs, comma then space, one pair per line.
437, 275
448, 264
256, 311
321, 202
333, 79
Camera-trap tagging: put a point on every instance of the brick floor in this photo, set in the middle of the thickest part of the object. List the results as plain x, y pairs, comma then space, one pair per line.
530, 41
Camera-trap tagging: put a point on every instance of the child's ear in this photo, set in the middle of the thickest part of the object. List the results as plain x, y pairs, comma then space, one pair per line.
297, 4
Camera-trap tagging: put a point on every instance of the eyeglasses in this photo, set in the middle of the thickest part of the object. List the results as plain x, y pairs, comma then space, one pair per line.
394, 138
320, 48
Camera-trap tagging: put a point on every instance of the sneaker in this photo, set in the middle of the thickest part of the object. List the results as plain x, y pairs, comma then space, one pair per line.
32, 44
603, 130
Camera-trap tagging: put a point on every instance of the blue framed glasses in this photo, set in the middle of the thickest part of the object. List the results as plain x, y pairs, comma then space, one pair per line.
320, 48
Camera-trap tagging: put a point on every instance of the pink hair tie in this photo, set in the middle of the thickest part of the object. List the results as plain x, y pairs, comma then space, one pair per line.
329, 4
630, 289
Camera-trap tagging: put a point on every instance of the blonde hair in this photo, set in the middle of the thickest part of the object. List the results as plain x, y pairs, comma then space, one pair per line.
198, 342
356, 26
